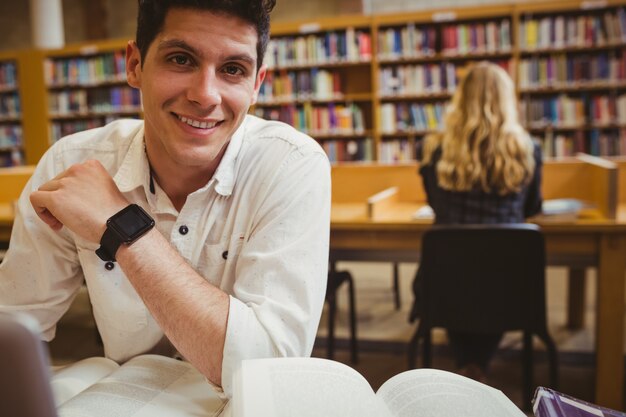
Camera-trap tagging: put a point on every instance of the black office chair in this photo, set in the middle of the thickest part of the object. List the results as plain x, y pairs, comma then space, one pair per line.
335, 280
484, 279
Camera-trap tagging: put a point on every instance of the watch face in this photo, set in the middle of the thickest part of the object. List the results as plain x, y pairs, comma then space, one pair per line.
131, 223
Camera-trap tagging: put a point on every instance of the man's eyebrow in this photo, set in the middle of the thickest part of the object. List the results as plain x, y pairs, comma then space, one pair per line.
242, 57
177, 43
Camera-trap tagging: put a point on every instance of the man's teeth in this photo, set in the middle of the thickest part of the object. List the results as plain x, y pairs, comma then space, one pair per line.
195, 123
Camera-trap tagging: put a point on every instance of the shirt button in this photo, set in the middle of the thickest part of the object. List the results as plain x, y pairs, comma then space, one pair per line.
183, 230
225, 254
109, 266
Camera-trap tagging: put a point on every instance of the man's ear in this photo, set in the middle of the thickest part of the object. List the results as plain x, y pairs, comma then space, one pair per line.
133, 65
260, 76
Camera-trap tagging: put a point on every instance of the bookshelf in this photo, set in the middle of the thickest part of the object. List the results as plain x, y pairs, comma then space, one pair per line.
420, 58
572, 76
86, 87
369, 88
320, 81
11, 132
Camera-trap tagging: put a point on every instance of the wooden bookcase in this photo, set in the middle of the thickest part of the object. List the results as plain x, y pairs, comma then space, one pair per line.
420, 58
11, 131
85, 87
369, 88
320, 81
572, 76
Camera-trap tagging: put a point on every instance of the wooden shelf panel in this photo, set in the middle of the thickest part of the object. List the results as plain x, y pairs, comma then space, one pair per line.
315, 100
470, 56
88, 115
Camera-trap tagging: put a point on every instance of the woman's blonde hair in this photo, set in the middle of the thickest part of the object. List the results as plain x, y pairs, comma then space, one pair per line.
483, 144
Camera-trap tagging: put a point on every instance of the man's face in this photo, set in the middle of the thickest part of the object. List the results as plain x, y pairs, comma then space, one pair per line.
197, 82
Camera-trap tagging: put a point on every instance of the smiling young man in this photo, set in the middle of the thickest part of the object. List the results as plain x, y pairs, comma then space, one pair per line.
201, 224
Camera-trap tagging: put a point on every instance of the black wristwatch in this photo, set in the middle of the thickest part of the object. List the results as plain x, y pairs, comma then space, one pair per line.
124, 227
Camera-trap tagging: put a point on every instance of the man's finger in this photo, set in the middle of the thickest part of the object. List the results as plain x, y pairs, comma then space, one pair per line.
37, 200
51, 185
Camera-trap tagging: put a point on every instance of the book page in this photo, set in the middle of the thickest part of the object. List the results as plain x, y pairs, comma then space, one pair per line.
147, 386
437, 393
76, 377
303, 387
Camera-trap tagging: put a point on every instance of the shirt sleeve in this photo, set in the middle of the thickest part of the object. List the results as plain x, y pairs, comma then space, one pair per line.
40, 274
534, 200
282, 270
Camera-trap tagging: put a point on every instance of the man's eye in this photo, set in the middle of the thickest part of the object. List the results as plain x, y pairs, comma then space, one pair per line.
233, 70
180, 60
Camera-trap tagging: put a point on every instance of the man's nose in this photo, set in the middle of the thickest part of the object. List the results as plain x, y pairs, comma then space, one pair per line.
205, 90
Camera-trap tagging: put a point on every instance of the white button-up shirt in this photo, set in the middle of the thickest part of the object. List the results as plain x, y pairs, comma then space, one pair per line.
259, 230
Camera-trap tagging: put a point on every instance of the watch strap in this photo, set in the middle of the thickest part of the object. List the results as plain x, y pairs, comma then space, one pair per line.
109, 244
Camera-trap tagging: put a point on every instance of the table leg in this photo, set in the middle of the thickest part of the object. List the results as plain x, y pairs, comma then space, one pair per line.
610, 322
576, 298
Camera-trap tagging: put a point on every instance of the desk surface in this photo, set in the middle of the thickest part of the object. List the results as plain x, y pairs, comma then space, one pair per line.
350, 215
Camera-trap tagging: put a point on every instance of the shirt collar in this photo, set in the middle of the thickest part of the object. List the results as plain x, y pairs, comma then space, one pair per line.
134, 171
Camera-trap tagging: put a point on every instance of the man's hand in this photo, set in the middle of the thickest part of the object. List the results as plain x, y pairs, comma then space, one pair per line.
81, 198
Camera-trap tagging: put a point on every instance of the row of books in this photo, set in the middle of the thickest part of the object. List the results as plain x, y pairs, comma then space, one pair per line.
10, 105
11, 158
418, 79
60, 129
97, 100
395, 150
564, 111
8, 74
443, 77
329, 119
561, 111
597, 142
411, 117
315, 83
10, 136
348, 150
488, 37
351, 45
604, 110
90, 70
573, 31
562, 71
409, 41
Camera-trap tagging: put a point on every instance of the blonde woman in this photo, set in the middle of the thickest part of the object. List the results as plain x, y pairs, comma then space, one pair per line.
482, 168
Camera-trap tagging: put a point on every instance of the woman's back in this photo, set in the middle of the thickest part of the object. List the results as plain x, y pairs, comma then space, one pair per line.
477, 206
483, 167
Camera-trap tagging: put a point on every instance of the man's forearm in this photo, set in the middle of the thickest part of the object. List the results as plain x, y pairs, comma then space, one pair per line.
192, 312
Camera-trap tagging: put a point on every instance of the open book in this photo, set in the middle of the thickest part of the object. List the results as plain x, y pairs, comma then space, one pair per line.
305, 387
145, 386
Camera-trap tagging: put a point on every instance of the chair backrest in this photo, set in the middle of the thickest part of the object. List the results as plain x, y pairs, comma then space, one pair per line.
483, 278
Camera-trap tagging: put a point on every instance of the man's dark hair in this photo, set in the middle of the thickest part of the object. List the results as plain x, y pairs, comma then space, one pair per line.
151, 18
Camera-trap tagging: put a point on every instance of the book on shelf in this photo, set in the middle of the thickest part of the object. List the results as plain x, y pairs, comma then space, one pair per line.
550, 403
322, 387
8, 74
145, 386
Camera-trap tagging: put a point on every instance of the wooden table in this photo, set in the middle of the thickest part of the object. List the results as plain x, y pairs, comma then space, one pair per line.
394, 236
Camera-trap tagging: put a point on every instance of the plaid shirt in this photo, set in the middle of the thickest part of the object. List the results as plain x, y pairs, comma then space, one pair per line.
477, 206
